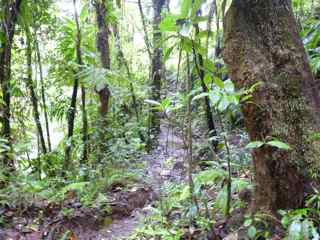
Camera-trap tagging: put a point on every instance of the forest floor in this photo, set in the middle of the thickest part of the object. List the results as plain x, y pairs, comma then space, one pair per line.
129, 205
159, 171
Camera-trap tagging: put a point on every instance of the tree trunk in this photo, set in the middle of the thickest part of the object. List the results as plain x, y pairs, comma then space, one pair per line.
103, 47
85, 136
33, 95
156, 71
209, 117
73, 105
71, 116
43, 94
262, 44
11, 12
123, 62
144, 25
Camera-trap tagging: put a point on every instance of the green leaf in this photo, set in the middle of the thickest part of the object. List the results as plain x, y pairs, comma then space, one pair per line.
295, 230
185, 8
215, 97
224, 103
315, 136
229, 86
201, 95
218, 82
168, 52
185, 193
186, 30
279, 144
168, 24
207, 79
252, 232
247, 222
195, 7
84, 14
152, 102
186, 45
254, 144
209, 65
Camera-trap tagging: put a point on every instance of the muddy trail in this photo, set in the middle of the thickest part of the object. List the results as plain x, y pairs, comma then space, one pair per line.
129, 207
164, 164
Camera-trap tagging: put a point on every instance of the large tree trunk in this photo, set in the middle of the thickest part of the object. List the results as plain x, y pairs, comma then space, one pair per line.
11, 12
103, 47
262, 44
157, 66
33, 95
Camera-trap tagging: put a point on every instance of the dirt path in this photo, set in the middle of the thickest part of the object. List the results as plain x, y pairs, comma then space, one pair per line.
165, 163
129, 207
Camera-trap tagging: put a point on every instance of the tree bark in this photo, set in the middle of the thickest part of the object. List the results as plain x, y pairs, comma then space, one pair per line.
85, 136
262, 44
103, 48
11, 12
157, 66
209, 117
144, 25
43, 93
33, 95
123, 62
72, 109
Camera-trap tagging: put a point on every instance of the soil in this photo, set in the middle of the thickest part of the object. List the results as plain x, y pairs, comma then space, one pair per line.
128, 207
165, 163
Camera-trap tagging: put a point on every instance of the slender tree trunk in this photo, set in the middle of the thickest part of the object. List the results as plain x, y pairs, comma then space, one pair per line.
73, 105
189, 135
157, 66
209, 116
11, 12
103, 47
85, 136
144, 25
71, 116
262, 44
123, 60
43, 94
33, 96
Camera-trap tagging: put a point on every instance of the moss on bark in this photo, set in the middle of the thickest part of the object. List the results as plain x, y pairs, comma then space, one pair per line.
262, 44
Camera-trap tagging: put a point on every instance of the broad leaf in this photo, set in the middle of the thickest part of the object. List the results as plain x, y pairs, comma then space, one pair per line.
254, 144
279, 144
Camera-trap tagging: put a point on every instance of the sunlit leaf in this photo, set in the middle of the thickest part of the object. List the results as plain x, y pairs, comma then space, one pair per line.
254, 144
279, 144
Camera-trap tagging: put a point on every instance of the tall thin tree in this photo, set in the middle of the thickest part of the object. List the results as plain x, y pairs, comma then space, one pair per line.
85, 136
72, 109
199, 63
103, 48
10, 16
33, 95
43, 92
157, 65
123, 62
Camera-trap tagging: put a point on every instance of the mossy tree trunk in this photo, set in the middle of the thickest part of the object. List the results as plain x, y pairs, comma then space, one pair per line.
104, 50
262, 44
157, 65
11, 12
